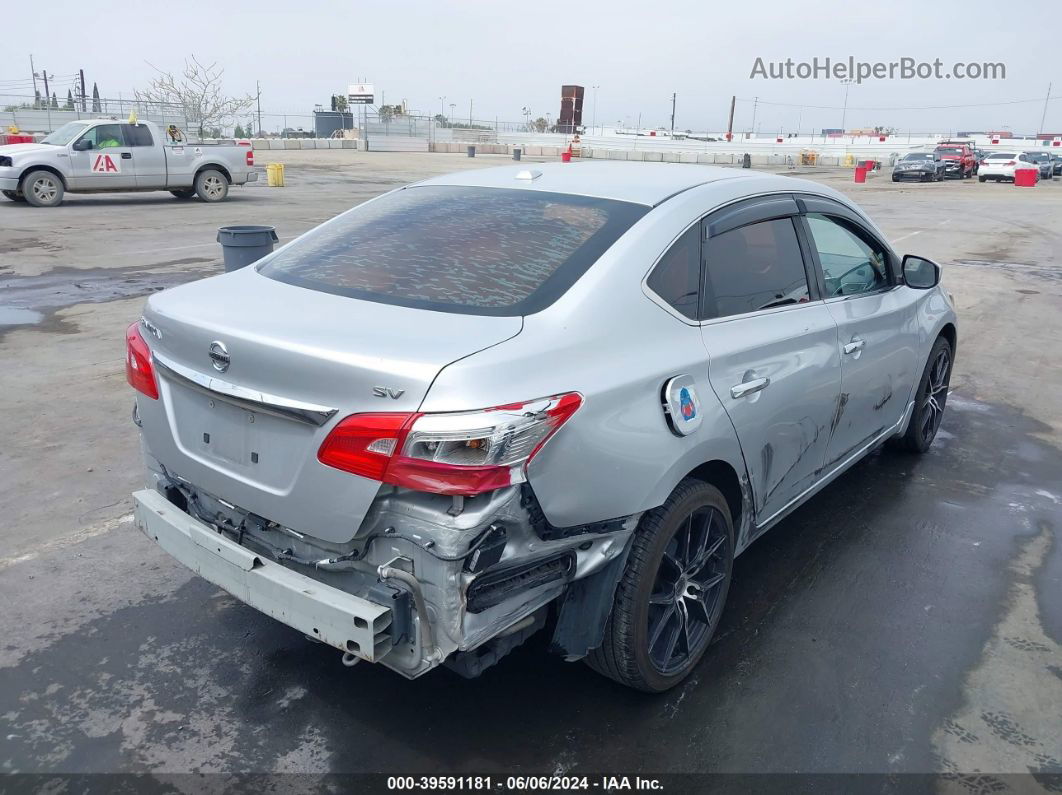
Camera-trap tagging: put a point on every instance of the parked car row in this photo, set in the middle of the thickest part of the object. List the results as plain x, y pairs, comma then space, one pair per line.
963, 161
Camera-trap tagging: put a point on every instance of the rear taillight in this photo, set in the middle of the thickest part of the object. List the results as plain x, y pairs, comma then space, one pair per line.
138, 370
250, 157
458, 453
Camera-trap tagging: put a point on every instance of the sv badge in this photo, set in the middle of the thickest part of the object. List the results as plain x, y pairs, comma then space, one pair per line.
386, 391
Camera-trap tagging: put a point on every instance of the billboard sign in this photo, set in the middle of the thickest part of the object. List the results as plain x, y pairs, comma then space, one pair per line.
360, 94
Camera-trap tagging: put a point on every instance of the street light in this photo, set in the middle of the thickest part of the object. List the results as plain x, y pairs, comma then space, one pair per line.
452, 106
442, 109
593, 123
847, 82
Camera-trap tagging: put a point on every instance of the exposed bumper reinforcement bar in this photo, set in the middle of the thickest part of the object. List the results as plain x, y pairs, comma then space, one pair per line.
335, 617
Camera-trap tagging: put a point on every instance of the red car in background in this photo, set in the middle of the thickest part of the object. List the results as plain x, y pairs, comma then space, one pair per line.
959, 159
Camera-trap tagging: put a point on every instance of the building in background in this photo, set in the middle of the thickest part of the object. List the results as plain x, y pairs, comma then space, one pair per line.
570, 119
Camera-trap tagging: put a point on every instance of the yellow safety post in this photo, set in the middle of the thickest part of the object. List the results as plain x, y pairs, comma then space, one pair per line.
275, 175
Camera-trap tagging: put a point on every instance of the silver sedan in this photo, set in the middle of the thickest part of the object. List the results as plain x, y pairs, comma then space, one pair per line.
560, 398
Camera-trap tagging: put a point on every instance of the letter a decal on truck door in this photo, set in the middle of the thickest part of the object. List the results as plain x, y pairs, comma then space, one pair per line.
105, 164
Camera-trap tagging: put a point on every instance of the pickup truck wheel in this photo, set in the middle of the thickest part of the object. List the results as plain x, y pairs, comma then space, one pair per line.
211, 185
670, 598
982, 178
930, 400
185, 193
14, 195
42, 189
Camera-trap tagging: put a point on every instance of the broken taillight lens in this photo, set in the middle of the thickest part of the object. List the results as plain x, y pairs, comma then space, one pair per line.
138, 370
458, 453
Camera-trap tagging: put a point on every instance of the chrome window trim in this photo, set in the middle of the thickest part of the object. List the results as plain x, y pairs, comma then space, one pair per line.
250, 399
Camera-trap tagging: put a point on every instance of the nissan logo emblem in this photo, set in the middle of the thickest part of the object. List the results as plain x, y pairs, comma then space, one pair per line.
219, 356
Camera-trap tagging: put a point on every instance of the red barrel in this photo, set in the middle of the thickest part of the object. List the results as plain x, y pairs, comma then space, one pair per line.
566, 157
1025, 178
861, 174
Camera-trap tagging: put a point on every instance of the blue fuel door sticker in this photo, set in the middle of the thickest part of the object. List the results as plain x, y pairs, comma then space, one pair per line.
681, 405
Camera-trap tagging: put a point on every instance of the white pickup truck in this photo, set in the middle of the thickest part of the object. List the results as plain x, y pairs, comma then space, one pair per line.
105, 155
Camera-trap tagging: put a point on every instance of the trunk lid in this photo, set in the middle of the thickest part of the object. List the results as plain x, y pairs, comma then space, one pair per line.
253, 373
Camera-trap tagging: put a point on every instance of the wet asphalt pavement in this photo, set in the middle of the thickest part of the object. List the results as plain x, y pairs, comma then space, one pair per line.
908, 616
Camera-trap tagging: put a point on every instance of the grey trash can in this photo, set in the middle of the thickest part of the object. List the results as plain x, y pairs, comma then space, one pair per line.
244, 245
746, 161
517, 153
471, 151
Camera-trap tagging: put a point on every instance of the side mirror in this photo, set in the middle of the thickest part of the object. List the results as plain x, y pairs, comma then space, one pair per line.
919, 272
81, 144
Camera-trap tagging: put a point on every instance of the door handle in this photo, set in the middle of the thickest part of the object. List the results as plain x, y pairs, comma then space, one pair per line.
127, 155
854, 345
748, 387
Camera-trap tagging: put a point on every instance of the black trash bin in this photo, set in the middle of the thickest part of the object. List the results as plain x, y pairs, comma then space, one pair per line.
517, 153
746, 161
244, 245
471, 151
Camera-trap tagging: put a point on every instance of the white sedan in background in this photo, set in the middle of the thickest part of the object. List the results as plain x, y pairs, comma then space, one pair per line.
1002, 165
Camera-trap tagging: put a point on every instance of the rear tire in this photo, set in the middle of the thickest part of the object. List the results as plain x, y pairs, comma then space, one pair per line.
14, 195
930, 400
982, 179
211, 185
184, 193
42, 189
670, 598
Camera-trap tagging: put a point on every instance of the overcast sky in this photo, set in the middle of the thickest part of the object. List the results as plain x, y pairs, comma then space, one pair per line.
504, 56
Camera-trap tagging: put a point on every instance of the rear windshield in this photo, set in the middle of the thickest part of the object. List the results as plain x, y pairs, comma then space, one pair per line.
918, 156
948, 150
485, 251
1002, 156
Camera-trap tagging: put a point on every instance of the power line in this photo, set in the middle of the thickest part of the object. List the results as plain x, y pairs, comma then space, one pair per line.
896, 107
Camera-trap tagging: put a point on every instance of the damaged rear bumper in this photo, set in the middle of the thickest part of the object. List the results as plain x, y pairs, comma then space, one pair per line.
340, 619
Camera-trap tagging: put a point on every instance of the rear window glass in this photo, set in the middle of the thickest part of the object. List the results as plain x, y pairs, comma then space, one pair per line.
488, 251
1002, 156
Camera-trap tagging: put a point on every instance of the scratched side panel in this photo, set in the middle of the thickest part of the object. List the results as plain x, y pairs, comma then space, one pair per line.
783, 429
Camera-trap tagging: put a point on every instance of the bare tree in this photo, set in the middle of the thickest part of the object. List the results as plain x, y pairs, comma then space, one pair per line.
198, 92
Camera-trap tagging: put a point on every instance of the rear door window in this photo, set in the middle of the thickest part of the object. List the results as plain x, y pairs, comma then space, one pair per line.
488, 251
754, 267
138, 135
677, 276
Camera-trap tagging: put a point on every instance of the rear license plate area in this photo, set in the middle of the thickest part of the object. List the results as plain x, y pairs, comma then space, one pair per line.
258, 446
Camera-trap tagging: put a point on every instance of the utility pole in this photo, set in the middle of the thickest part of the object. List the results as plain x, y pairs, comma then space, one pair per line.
673, 115
730, 121
1044, 115
593, 123
47, 94
258, 96
470, 113
81, 72
755, 104
33, 71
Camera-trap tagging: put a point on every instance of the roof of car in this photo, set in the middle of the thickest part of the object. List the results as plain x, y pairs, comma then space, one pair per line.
643, 183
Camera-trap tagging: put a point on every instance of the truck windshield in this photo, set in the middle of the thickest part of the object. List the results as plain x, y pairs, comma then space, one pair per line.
65, 134
481, 251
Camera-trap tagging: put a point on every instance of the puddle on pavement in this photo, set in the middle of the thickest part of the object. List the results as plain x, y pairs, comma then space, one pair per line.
28, 300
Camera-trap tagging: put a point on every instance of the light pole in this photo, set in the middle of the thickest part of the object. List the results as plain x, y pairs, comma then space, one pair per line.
442, 108
452, 106
844, 113
593, 123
